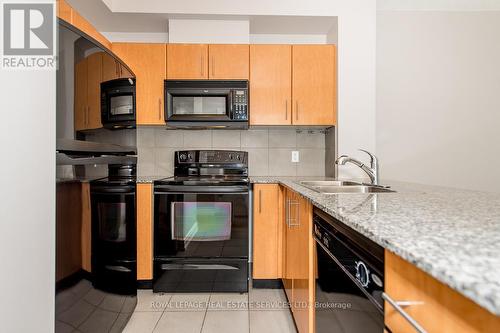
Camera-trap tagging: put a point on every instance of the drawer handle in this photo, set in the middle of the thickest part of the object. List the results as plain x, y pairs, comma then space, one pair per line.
260, 201
399, 305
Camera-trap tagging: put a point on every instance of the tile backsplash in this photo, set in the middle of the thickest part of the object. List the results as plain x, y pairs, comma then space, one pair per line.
269, 150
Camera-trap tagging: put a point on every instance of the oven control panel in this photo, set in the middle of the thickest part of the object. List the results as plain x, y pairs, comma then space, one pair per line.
239, 107
211, 156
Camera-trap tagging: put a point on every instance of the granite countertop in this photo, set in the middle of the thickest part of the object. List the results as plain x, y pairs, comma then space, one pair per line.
149, 179
453, 235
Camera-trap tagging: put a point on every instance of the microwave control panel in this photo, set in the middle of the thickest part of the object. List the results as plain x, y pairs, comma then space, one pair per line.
239, 104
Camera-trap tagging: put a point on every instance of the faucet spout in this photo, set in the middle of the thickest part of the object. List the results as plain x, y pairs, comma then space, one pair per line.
371, 171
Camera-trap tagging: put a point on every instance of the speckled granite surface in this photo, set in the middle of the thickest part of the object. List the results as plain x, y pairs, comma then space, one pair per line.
453, 235
149, 179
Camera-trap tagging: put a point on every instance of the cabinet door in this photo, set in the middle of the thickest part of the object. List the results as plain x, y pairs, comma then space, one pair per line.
270, 84
147, 61
144, 231
291, 214
313, 85
86, 228
187, 61
80, 111
110, 68
94, 79
228, 61
266, 221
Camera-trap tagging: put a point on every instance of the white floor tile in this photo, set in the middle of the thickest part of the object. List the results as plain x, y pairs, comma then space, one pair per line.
142, 322
148, 301
180, 322
188, 302
271, 322
226, 322
268, 299
228, 301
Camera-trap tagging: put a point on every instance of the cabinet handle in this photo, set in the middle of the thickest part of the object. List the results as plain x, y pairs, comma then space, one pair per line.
287, 212
286, 109
297, 110
260, 201
213, 66
201, 64
87, 115
159, 108
398, 306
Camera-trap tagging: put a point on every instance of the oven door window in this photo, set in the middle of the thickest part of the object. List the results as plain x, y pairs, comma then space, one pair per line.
121, 105
201, 221
112, 221
199, 105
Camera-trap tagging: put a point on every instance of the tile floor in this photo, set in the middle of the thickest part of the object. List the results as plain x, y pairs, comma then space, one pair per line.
259, 310
82, 308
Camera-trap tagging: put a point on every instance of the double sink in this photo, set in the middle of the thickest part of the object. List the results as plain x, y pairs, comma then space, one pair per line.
339, 186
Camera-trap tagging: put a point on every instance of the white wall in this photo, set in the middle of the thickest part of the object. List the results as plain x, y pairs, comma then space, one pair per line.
438, 105
27, 200
208, 31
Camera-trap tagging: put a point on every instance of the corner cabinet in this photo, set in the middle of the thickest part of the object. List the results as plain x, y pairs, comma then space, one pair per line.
314, 84
88, 77
148, 62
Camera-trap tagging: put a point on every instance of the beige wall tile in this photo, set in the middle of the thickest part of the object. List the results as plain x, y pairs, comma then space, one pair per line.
146, 161
164, 161
196, 139
254, 138
226, 139
310, 140
311, 162
145, 136
258, 161
282, 138
168, 138
280, 162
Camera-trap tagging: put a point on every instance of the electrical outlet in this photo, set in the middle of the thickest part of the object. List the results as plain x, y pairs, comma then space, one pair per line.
295, 156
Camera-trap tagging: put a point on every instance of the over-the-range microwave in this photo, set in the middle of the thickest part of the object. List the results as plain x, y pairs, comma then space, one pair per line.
206, 104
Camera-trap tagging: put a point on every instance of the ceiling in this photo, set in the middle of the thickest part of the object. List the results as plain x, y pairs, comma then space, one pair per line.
99, 14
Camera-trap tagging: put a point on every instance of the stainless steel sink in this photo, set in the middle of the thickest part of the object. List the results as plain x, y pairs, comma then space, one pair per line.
315, 183
351, 189
342, 186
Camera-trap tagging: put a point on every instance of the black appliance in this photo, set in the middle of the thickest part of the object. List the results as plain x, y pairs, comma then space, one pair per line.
206, 104
113, 210
350, 278
201, 224
118, 103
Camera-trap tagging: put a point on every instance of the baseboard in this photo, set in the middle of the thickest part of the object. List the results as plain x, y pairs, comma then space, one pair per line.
144, 284
267, 284
72, 279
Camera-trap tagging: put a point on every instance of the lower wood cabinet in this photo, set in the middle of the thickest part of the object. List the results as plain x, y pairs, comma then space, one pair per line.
86, 238
267, 231
439, 308
144, 231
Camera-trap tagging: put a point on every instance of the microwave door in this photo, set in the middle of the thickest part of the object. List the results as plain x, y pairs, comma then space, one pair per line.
198, 105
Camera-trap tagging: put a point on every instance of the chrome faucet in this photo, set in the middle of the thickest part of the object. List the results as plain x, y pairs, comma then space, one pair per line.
372, 171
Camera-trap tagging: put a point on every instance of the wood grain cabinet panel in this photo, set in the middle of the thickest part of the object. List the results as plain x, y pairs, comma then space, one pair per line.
187, 61
313, 85
144, 231
266, 233
147, 61
64, 11
270, 84
94, 77
86, 228
80, 104
442, 309
228, 61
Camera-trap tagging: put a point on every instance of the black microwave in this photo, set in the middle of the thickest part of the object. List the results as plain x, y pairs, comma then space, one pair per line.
206, 104
118, 103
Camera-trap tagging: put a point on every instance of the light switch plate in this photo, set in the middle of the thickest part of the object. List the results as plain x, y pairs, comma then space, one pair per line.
295, 156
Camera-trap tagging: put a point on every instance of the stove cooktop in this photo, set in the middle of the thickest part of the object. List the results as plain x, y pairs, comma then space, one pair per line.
209, 181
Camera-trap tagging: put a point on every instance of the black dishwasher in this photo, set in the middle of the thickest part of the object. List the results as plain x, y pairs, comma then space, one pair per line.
350, 278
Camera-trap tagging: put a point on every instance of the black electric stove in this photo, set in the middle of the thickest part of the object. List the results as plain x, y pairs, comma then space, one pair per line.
201, 223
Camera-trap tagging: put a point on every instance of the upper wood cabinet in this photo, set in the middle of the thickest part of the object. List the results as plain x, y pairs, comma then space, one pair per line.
267, 231
313, 85
270, 84
113, 69
438, 308
87, 106
147, 61
228, 61
187, 61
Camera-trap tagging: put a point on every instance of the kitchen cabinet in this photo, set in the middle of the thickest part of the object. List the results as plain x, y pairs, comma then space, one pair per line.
438, 308
144, 231
112, 69
314, 84
147, 61
271, 84
86, 227
187, 61
267, 231
88, 77
298, 275
228, 61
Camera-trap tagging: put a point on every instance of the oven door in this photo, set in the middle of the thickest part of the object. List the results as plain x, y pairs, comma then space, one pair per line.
201, 224
210, 104
113, 223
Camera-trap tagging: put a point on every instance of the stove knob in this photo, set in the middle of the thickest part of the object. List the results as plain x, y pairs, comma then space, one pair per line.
230, 156
182, 157
237, 157
362, 273
190, 157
